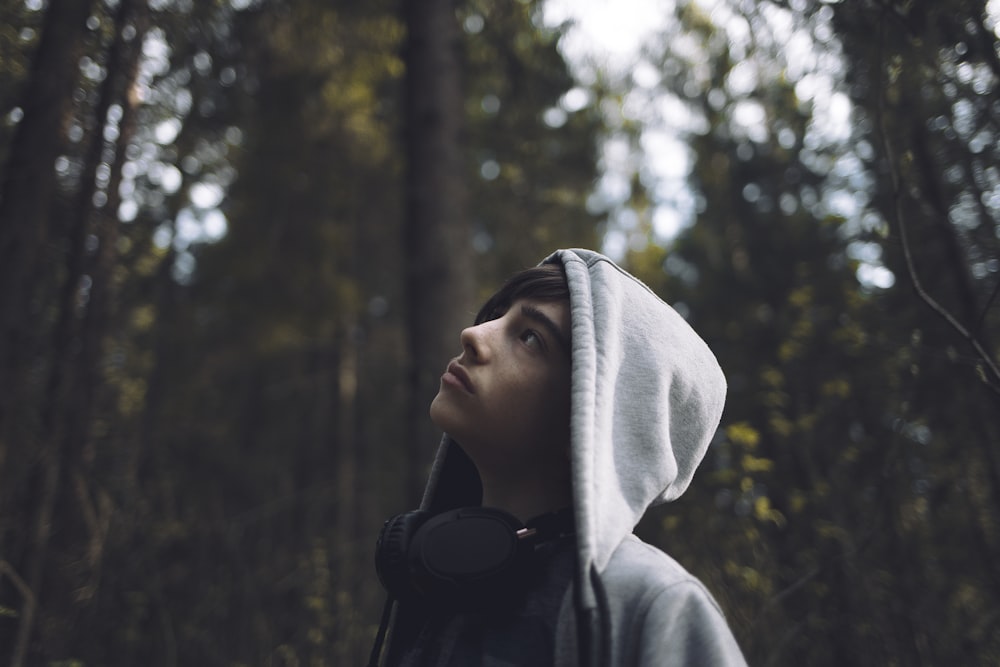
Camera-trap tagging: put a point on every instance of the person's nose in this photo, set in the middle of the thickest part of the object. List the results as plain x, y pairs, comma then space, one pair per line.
476, 342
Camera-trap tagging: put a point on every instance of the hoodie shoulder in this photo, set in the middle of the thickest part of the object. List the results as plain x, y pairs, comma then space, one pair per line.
645, 575
661, 614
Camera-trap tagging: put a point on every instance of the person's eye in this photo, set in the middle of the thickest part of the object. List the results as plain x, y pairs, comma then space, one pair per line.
532, 339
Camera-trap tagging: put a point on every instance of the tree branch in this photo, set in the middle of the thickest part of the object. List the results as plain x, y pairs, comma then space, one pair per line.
986, 308
897, 196
27, 616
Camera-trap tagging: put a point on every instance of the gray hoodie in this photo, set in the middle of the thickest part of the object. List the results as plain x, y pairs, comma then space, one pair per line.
647, 396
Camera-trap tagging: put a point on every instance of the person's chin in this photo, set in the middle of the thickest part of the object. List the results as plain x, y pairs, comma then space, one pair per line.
443, 412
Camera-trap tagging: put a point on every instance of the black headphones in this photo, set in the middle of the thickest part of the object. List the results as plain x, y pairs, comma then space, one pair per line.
462, 557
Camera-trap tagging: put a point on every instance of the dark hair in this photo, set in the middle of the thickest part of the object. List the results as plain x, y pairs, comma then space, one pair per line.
546, 282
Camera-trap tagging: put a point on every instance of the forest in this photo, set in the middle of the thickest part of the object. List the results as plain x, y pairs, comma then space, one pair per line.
238, 239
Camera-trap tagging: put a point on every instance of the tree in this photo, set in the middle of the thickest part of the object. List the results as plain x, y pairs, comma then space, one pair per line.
922, 79
436, 239
531, 162
855, 523
25, 205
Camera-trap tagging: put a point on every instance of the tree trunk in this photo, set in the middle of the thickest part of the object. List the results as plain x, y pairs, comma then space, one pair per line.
29, 183
74, 374
436, 236
25, 204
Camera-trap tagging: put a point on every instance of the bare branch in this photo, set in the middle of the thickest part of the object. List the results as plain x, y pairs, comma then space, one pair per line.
27, 615
992, 378
986, 308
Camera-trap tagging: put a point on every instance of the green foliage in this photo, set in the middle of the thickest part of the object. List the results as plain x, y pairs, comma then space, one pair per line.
843, 472
530, 177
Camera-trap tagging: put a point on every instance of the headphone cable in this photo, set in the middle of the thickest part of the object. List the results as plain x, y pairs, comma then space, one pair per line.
380, 635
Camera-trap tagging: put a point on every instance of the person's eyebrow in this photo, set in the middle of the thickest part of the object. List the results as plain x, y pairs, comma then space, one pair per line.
540, 318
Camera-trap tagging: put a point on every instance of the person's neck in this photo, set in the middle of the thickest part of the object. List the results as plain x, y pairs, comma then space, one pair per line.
528, 498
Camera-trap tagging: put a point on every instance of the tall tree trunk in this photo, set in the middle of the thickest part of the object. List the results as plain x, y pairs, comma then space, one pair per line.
28, 186
74, 374
25, 201
100, 319
436, 236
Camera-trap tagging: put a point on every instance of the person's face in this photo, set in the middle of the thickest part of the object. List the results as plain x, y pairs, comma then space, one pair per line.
506, 398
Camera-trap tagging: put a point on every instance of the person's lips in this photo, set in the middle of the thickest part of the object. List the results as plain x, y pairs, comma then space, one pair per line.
458, 374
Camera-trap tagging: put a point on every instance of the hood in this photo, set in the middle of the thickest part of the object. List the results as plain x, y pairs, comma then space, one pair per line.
647, 397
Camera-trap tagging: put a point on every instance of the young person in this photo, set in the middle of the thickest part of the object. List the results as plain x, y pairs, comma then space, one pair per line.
579, 400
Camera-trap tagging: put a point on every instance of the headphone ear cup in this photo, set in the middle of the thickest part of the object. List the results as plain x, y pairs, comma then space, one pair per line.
392, 553
467, 556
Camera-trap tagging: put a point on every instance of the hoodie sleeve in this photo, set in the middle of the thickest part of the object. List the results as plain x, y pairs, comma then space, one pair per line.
683, 626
